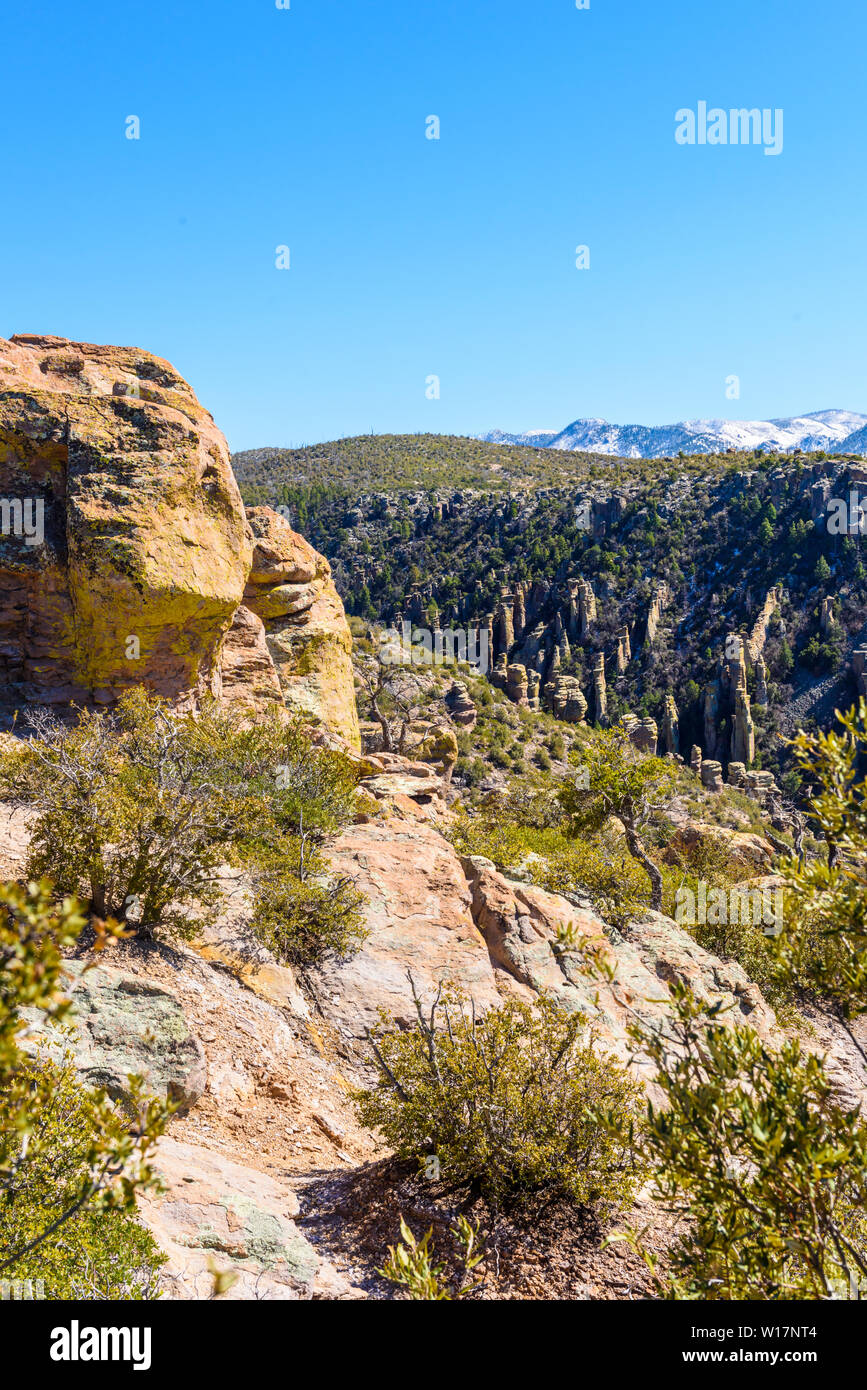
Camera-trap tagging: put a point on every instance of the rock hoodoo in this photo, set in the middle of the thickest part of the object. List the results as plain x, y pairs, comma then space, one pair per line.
137, 564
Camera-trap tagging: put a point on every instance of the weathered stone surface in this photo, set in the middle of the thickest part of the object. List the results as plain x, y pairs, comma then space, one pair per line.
224, 937
644, 734
710, 708
564, 698
657, 605
743, 846
499, 675
711, 775
418, 915
520, 924
433, 744
516, 683
670, 727
623, 653
761, 681
743, 732
248, 680
144, 529
460, 705
504, 624
144, 553
214, 1211
387, 785
307, 635
695, 759
600, 691
759, 633
124, 1025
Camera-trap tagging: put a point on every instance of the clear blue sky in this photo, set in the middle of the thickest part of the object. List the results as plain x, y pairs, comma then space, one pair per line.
305, 127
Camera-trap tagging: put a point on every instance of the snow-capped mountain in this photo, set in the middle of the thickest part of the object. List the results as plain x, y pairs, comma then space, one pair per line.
836, 431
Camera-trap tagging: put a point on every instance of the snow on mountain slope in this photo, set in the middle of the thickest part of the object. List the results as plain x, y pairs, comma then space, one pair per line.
837, 431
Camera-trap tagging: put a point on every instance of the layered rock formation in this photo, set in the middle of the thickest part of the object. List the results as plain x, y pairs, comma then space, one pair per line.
291, 591
657, 605
146, 550
670, 727
565, 700
128, 558
461, 706
600, 691
759, 633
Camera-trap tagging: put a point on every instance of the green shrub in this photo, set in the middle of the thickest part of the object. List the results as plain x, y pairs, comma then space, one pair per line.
137, 809
70, 1164
94, 1253
753, 1149
509, 1102
823, 946
302, 911
598, 865
621, 783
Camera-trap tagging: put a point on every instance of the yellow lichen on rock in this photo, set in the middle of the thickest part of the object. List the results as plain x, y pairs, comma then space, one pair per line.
292, 591
144, 570
146, 545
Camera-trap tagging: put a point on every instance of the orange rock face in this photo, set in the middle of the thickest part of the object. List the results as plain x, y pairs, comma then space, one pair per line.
145, 549
290, 588
125, 550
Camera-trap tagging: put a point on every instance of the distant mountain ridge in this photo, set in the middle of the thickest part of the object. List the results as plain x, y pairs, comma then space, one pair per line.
835, 431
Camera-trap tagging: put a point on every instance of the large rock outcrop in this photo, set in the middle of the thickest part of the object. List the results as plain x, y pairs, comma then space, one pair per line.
291, 591
145, 549
126, 557
122, 1025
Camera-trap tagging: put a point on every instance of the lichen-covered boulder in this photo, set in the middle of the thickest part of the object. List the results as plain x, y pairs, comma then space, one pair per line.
212, 1207
126, 556
291, 590
432, 743
123, 1025
125, 551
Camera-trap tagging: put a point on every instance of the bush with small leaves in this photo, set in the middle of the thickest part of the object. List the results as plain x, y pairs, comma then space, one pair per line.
510, 1102
410, 1263
71, 1163
823, 945
752, 1147
137, 808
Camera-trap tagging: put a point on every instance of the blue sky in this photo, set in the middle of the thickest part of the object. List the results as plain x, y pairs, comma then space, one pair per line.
411, 257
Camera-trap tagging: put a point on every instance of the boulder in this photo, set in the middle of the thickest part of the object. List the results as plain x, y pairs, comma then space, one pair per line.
644, 734
217, 1212
711, 775
433, 744
743, 846
565, 699
516, 683
418, 915
291, 590
461, 706
134, 552
523, 926
248, 680
145, 549
122, 1024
